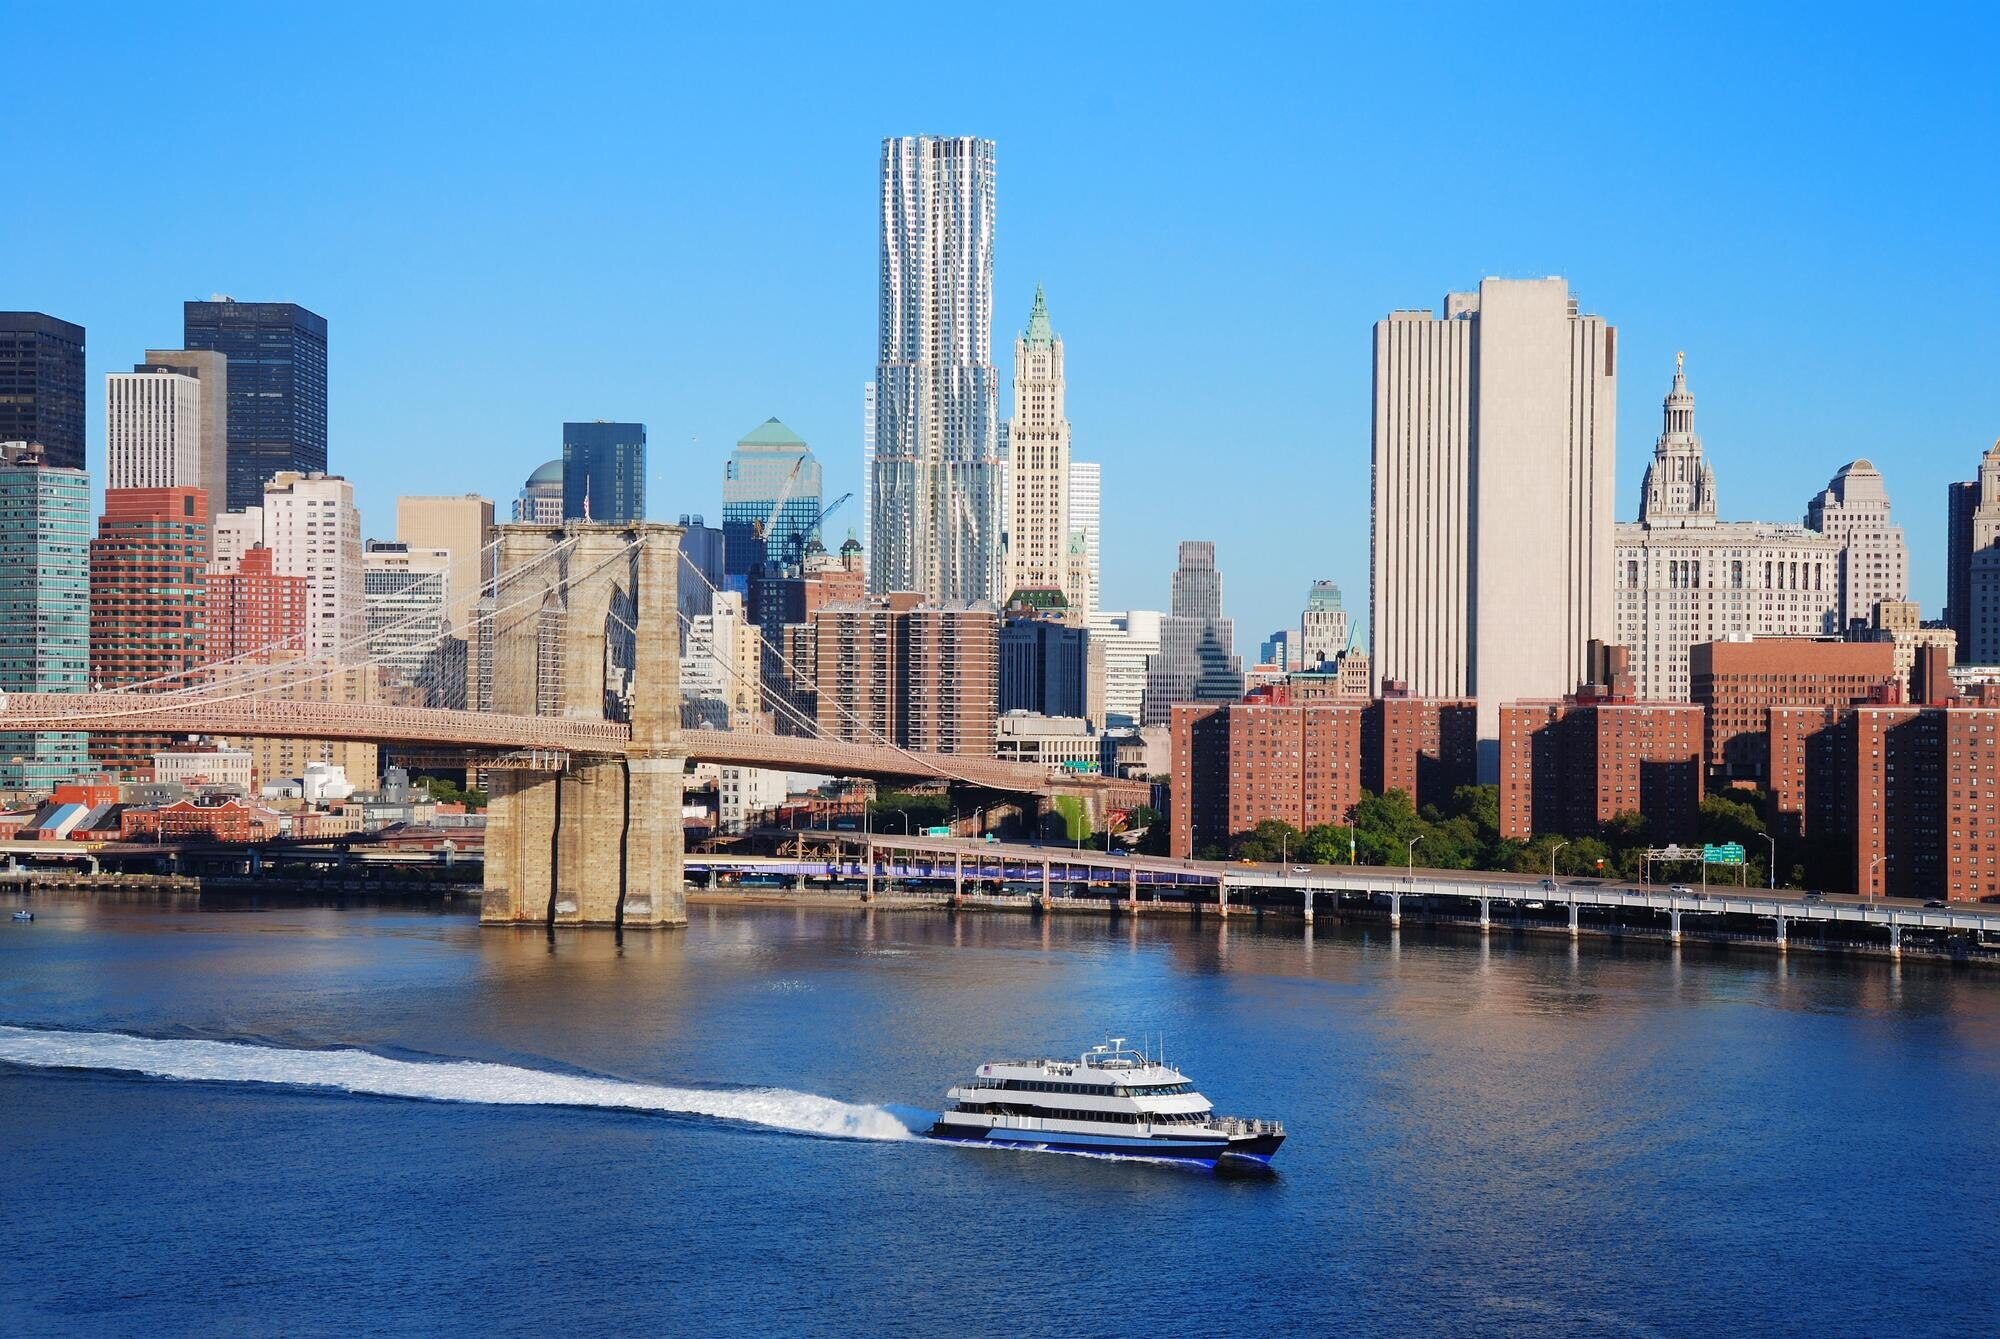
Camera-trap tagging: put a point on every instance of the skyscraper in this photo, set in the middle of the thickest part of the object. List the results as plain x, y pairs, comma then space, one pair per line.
1086, 573
770, 500
276, 387
1494, 431
1322, 627
408, 616
41, 386
45, 591
148, 603
313, 531
1973, 527
1038, 520
935, 490
1853, 510
1197, 661
1130, 639
212, 371
604, 471
462, 527
152, 430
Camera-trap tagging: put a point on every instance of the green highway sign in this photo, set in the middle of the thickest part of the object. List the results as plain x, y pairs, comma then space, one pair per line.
1729, 853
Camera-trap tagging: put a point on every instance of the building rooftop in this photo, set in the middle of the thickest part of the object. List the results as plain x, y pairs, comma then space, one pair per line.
770, 433
549, 473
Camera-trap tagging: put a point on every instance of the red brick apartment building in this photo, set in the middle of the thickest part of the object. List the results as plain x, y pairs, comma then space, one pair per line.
1307, 762
1570, 766
1739, 682
148, 601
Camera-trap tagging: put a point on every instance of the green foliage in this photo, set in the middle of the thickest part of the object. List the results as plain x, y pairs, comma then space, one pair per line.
1070, 813
1464, 833
447, 791
925, 808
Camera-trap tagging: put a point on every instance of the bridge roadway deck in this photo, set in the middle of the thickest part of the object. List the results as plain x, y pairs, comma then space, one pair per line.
1070, 864
190, 713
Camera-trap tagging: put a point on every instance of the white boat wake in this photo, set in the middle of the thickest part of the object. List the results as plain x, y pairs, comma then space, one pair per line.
437, 1081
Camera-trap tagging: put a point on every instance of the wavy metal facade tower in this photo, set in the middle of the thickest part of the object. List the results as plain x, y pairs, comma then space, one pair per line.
935, 485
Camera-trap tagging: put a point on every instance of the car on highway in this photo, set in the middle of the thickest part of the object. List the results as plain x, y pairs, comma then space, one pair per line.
1301, 869
1815, 897
1549, 885
1935, 904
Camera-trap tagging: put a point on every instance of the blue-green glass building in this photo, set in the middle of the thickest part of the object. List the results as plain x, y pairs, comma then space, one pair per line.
44, 608
770, 500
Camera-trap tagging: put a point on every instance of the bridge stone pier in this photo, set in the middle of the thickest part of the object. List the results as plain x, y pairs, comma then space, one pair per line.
595, 840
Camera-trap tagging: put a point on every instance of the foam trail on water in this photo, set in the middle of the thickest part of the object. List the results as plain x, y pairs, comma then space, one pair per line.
437, 1081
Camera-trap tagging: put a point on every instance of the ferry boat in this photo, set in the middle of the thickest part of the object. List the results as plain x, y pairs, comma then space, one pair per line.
1111, 1100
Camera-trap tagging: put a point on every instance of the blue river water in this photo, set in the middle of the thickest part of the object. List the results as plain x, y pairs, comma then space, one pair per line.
331, 1122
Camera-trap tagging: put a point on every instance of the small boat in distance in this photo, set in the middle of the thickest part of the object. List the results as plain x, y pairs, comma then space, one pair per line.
24, 915
1111, 1101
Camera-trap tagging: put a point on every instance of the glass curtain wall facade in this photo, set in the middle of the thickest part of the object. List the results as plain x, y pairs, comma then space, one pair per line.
41, 385
277, 387
44, 609
604, 471
770, 500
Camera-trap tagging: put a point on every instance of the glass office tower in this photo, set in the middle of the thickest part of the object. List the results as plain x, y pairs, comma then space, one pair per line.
277, 387
604, 471
770, 500
41, 385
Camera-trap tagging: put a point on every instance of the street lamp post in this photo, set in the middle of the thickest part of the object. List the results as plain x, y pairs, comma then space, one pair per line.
1410, 858
906, 819
1552, 858
1772, 843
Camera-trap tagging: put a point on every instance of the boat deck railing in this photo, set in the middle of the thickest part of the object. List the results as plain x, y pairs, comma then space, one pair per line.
1239, 1125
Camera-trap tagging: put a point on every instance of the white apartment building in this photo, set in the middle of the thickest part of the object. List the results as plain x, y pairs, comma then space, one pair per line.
1506, 401
1683, 578
152, 430
743, 793
1084, 582
236, 533
313, 530
935, 489
724, 660
408, 613
1130, 639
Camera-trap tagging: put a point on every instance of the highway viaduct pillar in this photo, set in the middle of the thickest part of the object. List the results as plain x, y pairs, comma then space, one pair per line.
589, 632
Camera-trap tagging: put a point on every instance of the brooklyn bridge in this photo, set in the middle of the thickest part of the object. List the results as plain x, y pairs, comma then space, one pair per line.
583, 745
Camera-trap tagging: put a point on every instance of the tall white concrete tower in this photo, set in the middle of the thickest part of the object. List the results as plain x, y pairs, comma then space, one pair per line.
1038, 461
935, 489
152, 429
1085, 582
1494, 435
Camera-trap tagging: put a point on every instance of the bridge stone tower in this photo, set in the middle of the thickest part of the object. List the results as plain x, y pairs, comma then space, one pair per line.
597, 841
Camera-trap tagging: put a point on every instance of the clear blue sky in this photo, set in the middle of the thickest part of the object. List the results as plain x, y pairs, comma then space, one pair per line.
511, 217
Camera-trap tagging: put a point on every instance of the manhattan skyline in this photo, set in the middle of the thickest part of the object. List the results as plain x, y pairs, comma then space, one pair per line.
1217, 263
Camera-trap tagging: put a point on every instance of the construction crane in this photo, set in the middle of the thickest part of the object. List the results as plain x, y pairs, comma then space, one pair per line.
811, 528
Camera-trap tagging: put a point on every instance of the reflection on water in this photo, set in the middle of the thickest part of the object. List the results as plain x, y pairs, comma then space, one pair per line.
1487, 1132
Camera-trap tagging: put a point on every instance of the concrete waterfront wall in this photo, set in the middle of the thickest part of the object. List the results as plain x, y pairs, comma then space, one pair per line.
598, 842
